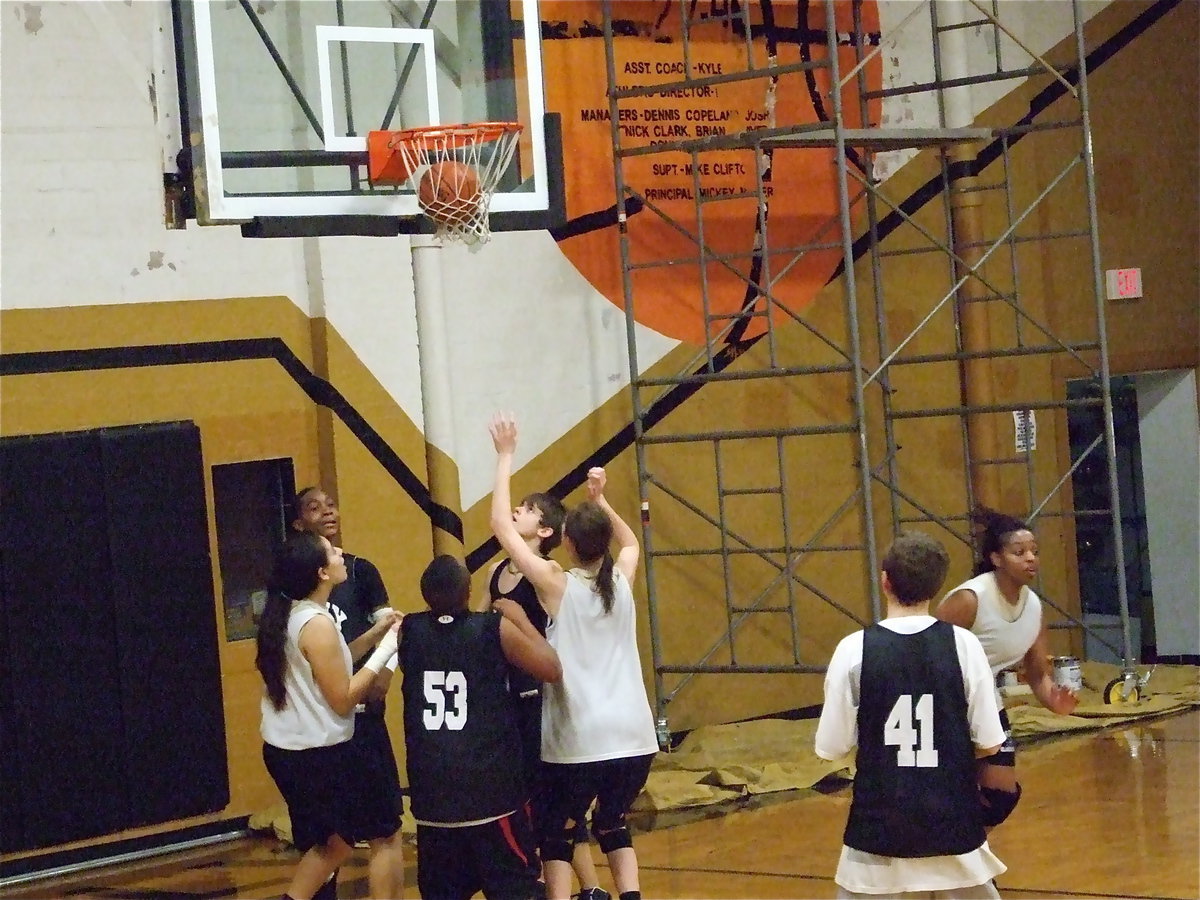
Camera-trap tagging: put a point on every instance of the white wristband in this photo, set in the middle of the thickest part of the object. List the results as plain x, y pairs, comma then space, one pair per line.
392, 663
379, 658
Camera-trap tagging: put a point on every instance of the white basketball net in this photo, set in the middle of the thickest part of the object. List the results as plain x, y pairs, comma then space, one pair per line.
486, 147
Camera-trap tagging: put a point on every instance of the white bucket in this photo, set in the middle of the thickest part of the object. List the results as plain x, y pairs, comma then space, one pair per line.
1068, 673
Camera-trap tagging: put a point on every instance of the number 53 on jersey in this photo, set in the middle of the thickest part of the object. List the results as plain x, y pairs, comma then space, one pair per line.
446, 699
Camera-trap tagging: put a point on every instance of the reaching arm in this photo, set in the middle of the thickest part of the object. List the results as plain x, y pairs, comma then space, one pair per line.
524, 645
959, 609
1055, 697
361, 645
321, 646
548, 579
630, 552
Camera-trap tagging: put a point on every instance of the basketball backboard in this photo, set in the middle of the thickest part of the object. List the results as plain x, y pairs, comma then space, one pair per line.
278, 97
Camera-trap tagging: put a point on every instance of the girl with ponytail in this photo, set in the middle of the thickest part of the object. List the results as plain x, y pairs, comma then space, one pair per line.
598, 736
308, 722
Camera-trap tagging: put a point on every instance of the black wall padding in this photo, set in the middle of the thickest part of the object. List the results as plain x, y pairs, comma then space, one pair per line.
167, 645
110, 688
12, 821
66, 779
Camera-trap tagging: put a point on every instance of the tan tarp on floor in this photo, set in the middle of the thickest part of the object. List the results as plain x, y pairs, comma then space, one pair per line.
718, 763
1168, 689
724, 762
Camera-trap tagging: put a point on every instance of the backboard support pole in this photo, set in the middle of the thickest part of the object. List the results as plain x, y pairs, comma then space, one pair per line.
437, 408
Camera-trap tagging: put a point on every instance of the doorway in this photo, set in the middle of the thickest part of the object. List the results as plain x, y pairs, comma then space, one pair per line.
1158, 478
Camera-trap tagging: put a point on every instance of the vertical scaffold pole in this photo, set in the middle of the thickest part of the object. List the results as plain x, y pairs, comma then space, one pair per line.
634, 390
1110, 442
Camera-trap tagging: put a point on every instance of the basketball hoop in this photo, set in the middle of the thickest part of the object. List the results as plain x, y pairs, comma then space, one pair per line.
453, 169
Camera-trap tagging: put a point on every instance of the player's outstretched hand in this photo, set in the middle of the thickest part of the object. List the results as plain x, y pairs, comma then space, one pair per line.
1062, 700
385, 618
503, 429
511, 610
596, 480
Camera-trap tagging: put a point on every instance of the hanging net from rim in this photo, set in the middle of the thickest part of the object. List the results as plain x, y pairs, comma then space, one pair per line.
453, 169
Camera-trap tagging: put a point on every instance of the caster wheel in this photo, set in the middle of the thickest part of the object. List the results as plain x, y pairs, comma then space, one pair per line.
1112, 692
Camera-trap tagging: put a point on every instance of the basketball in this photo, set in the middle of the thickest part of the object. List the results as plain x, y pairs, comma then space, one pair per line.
449, 190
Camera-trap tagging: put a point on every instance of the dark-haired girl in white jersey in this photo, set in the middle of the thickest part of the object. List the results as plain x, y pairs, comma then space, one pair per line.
329, 783
598, 735
1000, 608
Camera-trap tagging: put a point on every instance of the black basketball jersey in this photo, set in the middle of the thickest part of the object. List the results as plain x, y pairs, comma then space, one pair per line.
914, 785
524, 595
351, 604
460, 728
353, 601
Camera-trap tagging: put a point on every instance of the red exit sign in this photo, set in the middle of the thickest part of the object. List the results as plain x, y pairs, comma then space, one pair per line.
1123, 284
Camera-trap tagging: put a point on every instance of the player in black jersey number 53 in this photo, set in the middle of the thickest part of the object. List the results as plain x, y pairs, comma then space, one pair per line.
460, 731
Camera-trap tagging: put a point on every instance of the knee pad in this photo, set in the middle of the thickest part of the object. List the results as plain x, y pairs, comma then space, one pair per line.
611, 839
557, 848
997, 805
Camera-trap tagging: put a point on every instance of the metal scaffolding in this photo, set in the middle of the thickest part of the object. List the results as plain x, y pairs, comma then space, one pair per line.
982, 244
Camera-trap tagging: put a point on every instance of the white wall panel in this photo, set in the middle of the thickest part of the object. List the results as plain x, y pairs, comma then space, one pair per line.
535, 339
1170, 444
907, 57
367, 288
82, 173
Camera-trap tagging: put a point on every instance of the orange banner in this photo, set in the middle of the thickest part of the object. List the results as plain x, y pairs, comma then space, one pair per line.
798, 184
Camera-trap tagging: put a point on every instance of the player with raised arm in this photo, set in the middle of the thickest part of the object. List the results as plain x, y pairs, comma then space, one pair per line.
598, 738
539, 520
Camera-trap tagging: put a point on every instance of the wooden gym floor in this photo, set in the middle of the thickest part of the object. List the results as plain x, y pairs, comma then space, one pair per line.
1105, 814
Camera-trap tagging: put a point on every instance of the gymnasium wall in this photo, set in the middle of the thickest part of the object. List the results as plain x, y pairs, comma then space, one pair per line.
306, 348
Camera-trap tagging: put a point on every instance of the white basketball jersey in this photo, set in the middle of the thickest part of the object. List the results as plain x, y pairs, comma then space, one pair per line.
1005, 631
306, 720
599, 710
